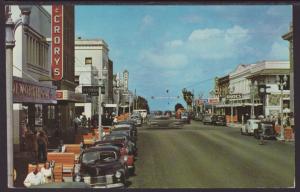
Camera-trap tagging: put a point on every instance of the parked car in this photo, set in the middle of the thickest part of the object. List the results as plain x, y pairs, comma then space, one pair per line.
122, 137
101, 167
266, 129
251, 124
219, 120
126, 152
207, 119
128, 129
198, 117
137, 119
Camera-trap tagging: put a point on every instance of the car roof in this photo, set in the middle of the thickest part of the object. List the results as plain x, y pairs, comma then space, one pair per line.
122, 125
102, 148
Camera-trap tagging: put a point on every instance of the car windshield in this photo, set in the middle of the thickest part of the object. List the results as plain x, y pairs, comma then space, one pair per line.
114, 137
94, 156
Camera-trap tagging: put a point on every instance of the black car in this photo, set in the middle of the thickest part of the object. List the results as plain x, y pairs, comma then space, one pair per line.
266, 130
126, 128
101, 167
123, 137
219, 120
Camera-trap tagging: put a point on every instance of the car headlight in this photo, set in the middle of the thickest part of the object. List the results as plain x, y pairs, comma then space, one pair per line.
77, 168
125, 158
87, 179
78, 178
118, 174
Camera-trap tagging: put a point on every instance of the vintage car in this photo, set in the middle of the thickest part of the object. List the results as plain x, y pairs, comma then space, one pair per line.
126, 152
137, 119
219, 120
207, 119
250, 126
185, 117
121, 137
101, 167
266, 130
128, 129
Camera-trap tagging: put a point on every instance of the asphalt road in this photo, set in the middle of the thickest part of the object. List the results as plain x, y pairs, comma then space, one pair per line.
199, 156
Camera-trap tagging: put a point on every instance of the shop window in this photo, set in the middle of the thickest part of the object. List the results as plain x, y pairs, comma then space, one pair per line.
88, 60
51, 112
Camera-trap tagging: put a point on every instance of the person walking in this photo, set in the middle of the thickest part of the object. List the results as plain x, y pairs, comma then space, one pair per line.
42, 142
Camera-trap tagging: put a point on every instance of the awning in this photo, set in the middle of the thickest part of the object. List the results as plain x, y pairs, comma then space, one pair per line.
71, 96
26, 91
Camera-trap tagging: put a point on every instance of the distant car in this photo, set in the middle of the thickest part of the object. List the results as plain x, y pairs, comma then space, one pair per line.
198, 117
101, 167
185, 117
250, 126
137, 119
266, 129
207, 119
219, 120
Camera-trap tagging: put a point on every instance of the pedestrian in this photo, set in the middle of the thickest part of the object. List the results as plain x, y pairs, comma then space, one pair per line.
89, 123
34, 178
47, 172
115, 121
61, 146
292, 121
33, 146
42, 142
83, 121
261, 136
77, 122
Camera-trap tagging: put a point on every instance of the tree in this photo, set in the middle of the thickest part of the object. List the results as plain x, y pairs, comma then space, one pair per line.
178, 106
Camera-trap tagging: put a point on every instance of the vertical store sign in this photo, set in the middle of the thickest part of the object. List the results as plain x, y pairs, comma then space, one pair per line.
57, 42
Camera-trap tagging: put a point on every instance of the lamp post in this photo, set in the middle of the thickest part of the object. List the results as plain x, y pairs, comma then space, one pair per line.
10, 28
253, 86
231, 109
101, 83
281, 83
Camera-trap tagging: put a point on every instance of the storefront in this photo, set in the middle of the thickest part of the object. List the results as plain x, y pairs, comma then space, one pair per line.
31, 102
65, 113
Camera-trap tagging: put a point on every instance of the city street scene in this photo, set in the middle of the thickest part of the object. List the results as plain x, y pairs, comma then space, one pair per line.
141, 96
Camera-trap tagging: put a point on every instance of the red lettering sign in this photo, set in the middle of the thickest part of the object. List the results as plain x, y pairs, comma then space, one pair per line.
57, 42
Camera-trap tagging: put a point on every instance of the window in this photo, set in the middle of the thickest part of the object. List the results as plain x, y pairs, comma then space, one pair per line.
88, 60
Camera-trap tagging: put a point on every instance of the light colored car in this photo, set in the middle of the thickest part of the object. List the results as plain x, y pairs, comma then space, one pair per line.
250, 126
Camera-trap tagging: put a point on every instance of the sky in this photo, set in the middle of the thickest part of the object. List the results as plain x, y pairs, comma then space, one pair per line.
174, 47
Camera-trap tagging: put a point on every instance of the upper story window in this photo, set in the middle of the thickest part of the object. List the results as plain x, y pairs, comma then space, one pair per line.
88, 60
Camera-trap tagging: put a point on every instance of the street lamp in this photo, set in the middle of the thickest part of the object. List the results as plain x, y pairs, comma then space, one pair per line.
10, 28
116, 87
231, 109
101, 83
281, 83
253, 86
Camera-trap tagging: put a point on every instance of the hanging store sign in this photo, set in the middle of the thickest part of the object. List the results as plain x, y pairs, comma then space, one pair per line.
234, 96
57, 42
25, 91
213, 100
66, 95
90, 90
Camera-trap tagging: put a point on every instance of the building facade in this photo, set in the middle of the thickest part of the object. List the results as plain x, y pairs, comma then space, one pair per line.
31, 65
241, 100
93, 64
289, 37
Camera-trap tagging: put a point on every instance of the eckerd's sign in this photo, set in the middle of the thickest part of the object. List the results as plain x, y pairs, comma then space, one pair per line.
57, 42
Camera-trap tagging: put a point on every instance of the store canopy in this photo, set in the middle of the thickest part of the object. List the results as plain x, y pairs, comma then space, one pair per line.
27, 91
71, 96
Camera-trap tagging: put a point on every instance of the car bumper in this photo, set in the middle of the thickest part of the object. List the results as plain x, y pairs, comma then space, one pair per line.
114, 185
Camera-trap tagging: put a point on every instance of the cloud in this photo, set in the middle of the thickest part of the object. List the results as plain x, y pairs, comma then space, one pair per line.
146, 22
279, 51
162, 60
192, 19
174, 44
216, 44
